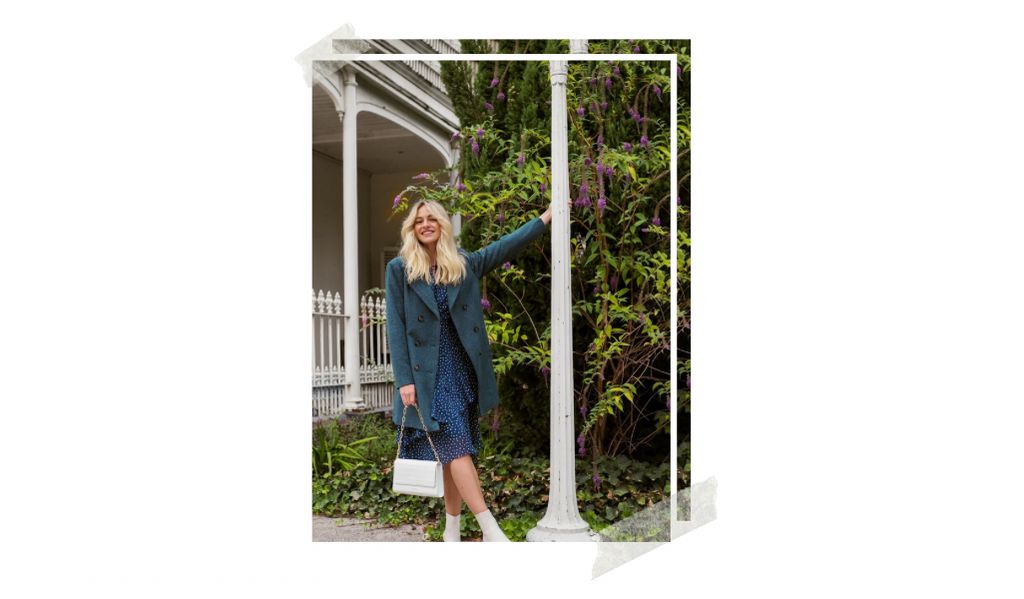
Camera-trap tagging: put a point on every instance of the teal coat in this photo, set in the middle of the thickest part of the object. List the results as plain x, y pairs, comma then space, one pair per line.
414, 326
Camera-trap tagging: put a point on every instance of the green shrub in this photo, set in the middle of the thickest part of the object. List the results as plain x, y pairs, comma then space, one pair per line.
330, 454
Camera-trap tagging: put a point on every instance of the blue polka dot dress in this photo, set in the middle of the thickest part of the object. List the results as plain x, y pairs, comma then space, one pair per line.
455, 407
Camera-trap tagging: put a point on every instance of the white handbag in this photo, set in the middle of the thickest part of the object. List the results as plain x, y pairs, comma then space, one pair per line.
417, 477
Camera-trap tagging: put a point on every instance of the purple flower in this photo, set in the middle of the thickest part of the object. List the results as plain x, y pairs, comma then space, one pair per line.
687, 381
587, 161
545, 370
507, 266
597, 481
476, 147
398, 199
630, 42
486, 304
668, 403
582, 451
615, 70
494, 82
583, 188
582, 202
600, 140
604, 105
501, 96
657, 91
421, 176
593, 82
462, 187
679, 201
501, 219
579, 111
495, 426
641, 318
609, 170
679, 71
596, 290
636, 49
610, 63
627, 147
488, 106
543, 188
583, 409
615, 282
600, 169
579, 440
656, 221
601, 203
480, 133
454, 135
592, 348
521, 160
643, 141
548, 102
644, 230
608, 83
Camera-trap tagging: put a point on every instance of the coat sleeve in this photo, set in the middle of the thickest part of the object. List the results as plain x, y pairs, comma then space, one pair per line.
507, 247
395, 294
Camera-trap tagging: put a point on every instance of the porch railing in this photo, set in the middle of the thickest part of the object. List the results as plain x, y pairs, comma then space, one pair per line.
376, 377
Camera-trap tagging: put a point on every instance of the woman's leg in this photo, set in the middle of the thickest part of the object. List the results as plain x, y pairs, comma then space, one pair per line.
468, 482
452, 497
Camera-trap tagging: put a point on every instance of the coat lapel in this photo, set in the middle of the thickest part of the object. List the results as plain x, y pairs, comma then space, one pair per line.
453, 292
426, 294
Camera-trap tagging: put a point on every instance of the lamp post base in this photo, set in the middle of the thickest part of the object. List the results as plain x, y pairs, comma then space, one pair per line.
540, 534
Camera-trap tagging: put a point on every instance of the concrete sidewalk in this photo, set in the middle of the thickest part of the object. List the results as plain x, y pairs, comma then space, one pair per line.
350, 529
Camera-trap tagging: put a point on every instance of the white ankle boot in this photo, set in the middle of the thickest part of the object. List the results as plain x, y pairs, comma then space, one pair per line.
451, 528
492, 532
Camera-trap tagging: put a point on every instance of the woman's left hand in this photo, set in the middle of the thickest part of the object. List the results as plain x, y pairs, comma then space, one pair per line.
546, 217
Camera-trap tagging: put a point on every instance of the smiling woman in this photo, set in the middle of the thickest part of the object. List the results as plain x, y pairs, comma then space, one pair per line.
441, 354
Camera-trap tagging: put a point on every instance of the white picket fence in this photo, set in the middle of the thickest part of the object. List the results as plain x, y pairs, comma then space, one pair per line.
376, 377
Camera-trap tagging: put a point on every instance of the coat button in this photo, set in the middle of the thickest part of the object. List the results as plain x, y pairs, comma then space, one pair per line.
416, 367
421, 318
476, 329
464, 307
417, 344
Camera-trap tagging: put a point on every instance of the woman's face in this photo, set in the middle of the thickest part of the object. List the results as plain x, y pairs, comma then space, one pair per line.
426, 226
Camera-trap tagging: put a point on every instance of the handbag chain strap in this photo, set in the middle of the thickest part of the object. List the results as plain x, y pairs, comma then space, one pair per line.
401, 431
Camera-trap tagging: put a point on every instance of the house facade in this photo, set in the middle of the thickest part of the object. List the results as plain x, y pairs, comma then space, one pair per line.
376, 125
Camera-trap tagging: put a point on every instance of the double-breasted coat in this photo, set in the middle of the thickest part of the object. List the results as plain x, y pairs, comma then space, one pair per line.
414, 326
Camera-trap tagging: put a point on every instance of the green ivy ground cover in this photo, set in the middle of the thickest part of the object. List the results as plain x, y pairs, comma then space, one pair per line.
516, 489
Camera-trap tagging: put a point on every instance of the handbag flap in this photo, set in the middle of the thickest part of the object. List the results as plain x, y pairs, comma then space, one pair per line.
416, 473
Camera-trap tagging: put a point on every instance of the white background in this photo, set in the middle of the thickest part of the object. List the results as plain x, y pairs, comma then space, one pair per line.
857, 302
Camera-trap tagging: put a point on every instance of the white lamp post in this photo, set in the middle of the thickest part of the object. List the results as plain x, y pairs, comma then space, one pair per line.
561, 521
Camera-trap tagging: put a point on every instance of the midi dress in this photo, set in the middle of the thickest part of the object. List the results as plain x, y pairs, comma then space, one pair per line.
455, 406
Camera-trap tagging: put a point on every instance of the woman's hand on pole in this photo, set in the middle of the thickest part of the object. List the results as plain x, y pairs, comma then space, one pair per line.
546, 217
408, 393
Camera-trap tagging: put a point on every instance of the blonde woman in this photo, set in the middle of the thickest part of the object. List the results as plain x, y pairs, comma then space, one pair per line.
440, 352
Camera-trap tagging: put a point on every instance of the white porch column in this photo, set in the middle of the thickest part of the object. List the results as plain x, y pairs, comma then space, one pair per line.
577, 47
561, 521
350, 216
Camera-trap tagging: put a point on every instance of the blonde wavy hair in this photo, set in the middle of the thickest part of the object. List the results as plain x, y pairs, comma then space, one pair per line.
451, 266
